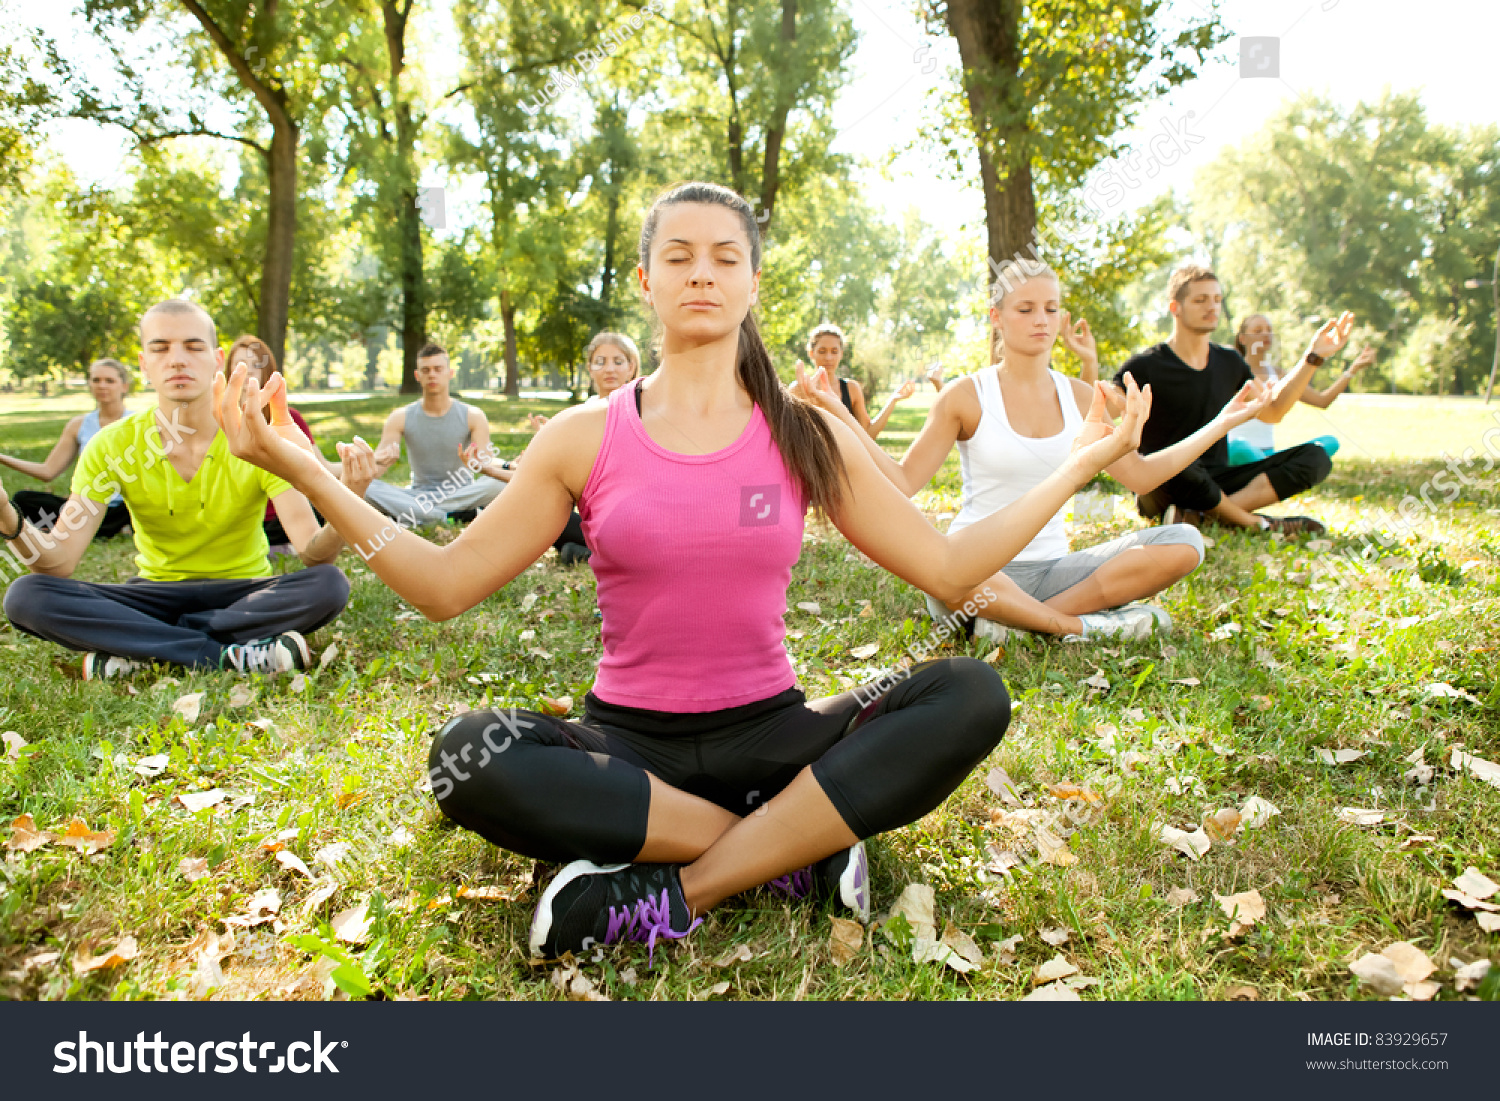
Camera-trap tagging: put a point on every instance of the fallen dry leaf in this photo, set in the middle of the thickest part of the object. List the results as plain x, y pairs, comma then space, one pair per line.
1098, 680
1005, 951
995, 655
1074, 791
1243, 994
560, 706
863, 652
13, 744
1444, 690
293, 863
962, 947
84, 960
1477, 767
79, 836
1339, 756
1469, 901
1411, 962
24, 836
1056, 937
1188, 682
1360, 816
999, 782
492, 892
1053, 992
199, 800
1056, 968
263, 906
299, 683
192, 868
320, 894
241, 695
189, 707
1490, 923
1378, 973
1053, 849
1472, 882
1222, 825
847, 938
1192, 845
1179, 897
1243, 910
1468, 976
352, 926
718, 990
915, 904
740, 954
153, 766
811, 607
328, 655
576, 985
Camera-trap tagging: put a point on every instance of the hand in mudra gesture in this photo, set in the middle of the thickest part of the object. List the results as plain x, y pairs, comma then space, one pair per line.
1247, 404
278, 447
1100, 443
1333, 335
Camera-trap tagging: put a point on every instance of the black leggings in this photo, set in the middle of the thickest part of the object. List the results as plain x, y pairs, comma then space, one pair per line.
561, 791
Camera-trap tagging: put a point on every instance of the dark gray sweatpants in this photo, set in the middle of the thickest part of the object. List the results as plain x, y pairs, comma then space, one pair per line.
177, 622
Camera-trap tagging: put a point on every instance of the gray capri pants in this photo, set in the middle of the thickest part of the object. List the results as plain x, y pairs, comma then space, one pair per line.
1045, 578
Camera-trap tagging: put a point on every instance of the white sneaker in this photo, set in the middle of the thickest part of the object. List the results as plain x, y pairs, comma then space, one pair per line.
97, 666
990, 631
281, 653
1133, 621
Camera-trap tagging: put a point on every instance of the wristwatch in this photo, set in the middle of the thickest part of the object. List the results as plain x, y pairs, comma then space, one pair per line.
1315, 359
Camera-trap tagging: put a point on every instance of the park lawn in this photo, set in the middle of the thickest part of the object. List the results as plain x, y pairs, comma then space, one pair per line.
1318, 662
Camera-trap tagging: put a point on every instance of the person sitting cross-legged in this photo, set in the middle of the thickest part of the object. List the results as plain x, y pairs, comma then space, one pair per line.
448, 442
205, 597
1192, 379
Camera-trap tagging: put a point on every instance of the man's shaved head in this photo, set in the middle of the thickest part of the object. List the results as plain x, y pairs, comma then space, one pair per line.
180, 306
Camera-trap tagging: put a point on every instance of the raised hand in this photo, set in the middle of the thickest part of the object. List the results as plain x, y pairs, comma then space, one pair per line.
818, 388
1247, 404
536, 421
1364, 359
386, 456
238, 405
358, 469
1099, 443
1079, 339
905, 390
1333, 335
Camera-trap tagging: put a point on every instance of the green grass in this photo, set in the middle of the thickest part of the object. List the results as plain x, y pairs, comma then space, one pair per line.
1318, 663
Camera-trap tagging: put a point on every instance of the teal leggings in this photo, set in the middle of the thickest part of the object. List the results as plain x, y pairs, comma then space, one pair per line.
1241, 453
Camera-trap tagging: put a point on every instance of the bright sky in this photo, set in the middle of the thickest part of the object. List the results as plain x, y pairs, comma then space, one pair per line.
1348, 49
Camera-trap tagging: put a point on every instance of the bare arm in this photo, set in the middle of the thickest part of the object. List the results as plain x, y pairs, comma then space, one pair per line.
1322, 399
891, 530
440, 581
904, 391
63, 452
926, 454
56, 553
1143, 473
1286, 393
388, 450
861, 414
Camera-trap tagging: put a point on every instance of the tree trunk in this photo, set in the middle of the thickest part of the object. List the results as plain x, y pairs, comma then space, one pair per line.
770, 177
281, 237
408, 218
512, 368
988, 37
611, 228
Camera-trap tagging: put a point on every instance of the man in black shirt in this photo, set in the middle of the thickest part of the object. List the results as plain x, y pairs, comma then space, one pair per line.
1190, 381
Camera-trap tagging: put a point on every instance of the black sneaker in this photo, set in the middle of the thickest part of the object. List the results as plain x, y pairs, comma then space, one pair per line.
573, 553
588, 904
279, 654
1294, 525
844, 877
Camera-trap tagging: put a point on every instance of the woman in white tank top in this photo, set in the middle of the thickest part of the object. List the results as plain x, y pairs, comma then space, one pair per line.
1014, 424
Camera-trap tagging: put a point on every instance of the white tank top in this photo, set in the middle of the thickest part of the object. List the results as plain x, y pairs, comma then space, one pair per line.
1257, 433
1000, 467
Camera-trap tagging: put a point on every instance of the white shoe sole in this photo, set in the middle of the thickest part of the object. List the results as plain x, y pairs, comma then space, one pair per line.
856, 895
541, 922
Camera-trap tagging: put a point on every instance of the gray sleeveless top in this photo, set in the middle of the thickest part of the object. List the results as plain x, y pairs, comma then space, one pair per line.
432, 443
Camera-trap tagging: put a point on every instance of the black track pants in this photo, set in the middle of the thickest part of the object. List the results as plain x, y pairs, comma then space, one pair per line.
560, 791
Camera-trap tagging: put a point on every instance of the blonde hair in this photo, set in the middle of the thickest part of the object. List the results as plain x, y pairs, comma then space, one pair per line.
1013, 273
826, 329
620, 341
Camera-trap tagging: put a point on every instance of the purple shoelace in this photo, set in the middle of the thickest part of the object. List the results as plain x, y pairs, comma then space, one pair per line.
798, 884
646, 920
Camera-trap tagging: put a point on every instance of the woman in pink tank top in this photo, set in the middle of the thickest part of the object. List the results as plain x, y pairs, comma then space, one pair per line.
699, 770
1013, 423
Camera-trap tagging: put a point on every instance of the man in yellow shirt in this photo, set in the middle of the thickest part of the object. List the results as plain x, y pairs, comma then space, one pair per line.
205, 597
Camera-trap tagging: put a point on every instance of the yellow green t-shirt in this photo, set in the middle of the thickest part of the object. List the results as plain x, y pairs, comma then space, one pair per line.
209, 528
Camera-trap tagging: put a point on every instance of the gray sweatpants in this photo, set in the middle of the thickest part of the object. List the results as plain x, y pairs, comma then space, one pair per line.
420, 508
1045, 578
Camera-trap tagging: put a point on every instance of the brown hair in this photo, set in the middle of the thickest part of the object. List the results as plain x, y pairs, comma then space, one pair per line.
259, 355
801, 435
826, 329
1186, 276
116, 366
620, 341
1239, 334
431, 349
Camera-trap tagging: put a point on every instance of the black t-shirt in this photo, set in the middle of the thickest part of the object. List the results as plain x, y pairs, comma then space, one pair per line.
1184, 399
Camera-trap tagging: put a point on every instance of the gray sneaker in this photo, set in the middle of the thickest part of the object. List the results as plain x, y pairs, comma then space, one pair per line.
1133, 621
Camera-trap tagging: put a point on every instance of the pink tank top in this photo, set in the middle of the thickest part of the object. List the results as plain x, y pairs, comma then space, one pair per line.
693, 554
